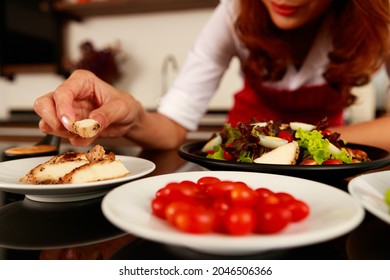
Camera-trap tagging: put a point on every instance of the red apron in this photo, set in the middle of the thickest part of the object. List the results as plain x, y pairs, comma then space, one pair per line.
306, 104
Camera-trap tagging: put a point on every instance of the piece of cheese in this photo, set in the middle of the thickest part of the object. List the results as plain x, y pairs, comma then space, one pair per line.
285, 154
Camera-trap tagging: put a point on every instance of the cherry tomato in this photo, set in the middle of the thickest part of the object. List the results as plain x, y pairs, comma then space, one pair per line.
219, 189
326, 132
286, 136
230, 207
175, 207
272, 218
207, 180
242, 195
299, 210
220, 208
240, 221
271, 199
195, 220
332, 161
263, 192
191, 184
284, 197
308, 162
221, 205
178, 191
158, 207
227, 156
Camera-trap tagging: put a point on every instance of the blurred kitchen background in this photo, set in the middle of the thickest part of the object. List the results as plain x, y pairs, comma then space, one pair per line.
41, 41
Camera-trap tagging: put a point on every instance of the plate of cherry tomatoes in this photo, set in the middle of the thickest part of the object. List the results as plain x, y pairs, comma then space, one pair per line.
232, 212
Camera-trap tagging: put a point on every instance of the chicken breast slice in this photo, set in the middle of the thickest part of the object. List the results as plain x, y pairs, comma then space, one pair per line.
86, 128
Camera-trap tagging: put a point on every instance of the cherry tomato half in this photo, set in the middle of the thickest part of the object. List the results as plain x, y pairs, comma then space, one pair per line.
332, 161
286, 136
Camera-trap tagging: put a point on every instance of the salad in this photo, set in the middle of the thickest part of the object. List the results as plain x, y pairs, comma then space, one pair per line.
281, 143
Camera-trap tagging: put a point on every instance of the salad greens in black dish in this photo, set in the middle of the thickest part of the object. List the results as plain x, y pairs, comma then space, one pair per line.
238, 148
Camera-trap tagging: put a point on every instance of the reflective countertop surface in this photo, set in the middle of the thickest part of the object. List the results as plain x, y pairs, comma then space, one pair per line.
79, 230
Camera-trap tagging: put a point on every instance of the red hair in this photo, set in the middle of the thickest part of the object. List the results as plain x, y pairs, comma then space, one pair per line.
361, 43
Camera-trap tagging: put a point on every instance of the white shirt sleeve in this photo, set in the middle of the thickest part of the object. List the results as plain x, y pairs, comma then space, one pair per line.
188, 98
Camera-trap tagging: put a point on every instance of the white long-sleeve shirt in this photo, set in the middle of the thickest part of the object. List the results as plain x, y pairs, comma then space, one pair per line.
187, 100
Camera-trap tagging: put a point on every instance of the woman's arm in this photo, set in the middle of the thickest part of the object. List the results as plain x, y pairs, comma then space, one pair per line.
374, 133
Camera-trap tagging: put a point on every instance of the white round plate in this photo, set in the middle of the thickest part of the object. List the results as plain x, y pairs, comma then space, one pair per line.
11, 171
369, 190
333, 213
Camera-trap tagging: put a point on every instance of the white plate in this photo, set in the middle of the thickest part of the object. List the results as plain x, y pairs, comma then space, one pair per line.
11, 171
333, 213
369, 190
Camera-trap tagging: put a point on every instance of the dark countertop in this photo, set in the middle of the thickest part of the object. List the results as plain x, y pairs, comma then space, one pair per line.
78, 230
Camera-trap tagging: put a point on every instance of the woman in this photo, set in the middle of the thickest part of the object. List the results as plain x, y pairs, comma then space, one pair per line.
300, 59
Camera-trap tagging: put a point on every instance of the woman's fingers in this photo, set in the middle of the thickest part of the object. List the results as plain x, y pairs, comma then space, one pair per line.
46, 109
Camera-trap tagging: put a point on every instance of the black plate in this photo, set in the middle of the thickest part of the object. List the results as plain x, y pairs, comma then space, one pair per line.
324, 173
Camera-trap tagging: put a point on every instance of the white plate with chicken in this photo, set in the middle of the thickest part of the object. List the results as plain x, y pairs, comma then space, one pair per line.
13, 172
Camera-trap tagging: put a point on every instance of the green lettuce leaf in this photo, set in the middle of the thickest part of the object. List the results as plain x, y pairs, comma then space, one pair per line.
312, 142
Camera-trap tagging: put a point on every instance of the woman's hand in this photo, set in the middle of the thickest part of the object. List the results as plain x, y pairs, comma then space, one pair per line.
85, 96
81, 96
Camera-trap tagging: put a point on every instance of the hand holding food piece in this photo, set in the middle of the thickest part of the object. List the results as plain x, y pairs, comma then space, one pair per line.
86, 128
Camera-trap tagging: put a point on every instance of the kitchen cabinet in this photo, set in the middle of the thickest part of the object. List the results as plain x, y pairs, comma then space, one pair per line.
65, 11
28, 36
116, 7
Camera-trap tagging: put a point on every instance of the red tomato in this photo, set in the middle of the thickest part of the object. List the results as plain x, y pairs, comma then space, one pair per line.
286, 136
221, 205
191, 184
158, 207
272, 199
207, 180
284, 197
220, 208
332, 161
227, 156
219, 189
263, 192
229, 207
326, 132
242, 195
240, 221
175, 207
299, 210
308, 162
178, 191
195, 220
272, 218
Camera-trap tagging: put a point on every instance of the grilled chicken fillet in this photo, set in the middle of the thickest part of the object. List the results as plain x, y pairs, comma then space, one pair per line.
72, 168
